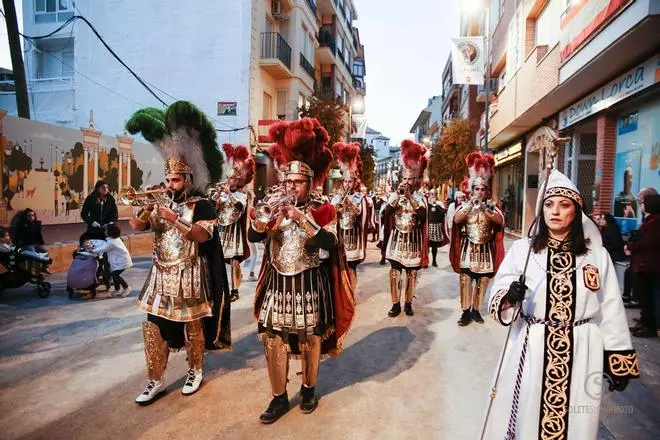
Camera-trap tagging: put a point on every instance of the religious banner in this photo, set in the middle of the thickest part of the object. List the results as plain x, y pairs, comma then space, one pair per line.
468, 60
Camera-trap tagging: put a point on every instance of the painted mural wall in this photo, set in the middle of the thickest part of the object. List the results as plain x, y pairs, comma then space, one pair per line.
51, 169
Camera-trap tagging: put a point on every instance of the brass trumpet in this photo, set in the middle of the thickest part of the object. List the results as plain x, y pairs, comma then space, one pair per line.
131, 197
275, 198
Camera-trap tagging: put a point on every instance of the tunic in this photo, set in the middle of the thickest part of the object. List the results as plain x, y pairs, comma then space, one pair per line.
571, 329
406, 241
231, 224
351, 226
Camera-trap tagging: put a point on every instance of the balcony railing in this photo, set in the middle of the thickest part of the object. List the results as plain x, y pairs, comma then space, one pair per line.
327, 38
312, 5
273, 45
306, 65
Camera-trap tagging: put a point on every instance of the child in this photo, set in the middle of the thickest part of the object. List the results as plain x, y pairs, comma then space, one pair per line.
118, 257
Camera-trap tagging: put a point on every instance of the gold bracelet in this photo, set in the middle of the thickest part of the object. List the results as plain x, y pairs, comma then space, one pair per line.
183, 225
308, 225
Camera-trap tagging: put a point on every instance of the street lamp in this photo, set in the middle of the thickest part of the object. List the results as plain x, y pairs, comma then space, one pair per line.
473, 7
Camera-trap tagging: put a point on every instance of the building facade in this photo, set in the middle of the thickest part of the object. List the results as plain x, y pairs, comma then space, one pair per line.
582, 70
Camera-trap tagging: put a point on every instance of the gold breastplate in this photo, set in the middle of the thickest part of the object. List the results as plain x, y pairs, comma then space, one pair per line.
170, 245
404, 216
347, 217
478, 227
288, 254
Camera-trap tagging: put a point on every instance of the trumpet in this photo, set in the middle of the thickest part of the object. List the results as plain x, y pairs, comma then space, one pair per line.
275, 198
402, 189
131, 197
217, 192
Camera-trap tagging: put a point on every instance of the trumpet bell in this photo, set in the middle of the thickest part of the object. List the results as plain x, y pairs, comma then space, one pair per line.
129, 196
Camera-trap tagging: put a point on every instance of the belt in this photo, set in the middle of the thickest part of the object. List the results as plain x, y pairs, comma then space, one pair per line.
531, 319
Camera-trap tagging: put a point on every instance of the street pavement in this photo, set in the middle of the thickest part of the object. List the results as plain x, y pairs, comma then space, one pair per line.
71, 369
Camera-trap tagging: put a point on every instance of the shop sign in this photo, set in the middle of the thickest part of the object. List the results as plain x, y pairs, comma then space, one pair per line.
508, 154
631, 82
628, 123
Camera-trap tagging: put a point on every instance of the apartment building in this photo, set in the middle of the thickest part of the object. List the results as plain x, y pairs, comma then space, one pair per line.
70, 73
583, 70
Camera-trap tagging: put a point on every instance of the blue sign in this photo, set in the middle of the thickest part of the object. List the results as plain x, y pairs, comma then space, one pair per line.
628, 123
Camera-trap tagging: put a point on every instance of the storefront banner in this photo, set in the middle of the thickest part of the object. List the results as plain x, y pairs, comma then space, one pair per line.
636, 79
626, 186
583, 19
508, 154
467, 59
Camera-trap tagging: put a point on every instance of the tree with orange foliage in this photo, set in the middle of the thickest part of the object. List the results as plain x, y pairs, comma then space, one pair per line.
448, 155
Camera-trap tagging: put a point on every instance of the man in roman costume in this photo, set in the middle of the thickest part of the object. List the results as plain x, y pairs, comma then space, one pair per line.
477, 245
406, 230
569, 326
351, 207
185, 295
304, 301
232, 202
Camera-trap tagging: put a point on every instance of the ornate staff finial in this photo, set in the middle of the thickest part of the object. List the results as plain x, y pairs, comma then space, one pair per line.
91, 119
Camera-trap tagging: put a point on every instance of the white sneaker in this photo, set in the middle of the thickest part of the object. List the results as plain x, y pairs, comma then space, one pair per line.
154, 389
125, 291
193, 381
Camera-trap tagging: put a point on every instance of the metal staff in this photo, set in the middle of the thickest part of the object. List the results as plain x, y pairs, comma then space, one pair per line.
558, 142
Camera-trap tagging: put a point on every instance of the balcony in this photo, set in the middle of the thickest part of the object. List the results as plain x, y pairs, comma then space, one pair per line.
306, 65
275, 55
327, 47
359, 85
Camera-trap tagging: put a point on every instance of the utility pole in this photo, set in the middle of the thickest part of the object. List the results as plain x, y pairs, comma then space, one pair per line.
20, 84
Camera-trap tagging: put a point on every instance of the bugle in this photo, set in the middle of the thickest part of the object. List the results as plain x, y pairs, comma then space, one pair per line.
131, 197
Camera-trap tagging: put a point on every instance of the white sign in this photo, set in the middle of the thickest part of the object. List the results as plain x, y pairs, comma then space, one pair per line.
467, 60
631, 82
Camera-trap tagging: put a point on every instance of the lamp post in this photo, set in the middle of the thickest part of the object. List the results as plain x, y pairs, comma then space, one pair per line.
472, 7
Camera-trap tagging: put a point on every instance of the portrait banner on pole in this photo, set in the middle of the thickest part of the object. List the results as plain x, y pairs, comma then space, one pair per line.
467, 59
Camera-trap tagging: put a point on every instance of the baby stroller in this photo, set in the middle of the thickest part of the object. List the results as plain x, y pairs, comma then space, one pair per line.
24, 265
83, 273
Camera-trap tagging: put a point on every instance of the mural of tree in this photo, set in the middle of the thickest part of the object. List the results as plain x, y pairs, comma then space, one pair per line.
76, 179
112, 177
17, 160
136, 174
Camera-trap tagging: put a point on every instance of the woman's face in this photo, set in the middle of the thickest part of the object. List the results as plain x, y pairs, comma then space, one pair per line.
558, 213
31, 216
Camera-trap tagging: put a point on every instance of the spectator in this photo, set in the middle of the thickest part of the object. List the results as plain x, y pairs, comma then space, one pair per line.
26, 231
117, 256
611, 235
643, 247
99, 208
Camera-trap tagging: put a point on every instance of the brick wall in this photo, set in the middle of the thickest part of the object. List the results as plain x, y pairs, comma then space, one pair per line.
605, 151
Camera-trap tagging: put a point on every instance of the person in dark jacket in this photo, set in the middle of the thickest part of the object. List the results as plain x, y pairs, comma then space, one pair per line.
26, 231
646, 279
611, 235
99, 208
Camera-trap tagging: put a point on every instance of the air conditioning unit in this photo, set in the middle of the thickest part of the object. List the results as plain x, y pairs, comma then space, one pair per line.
276, 9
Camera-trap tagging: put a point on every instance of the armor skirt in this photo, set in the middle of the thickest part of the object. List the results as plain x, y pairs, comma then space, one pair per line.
353, 242
231, 240
298, 304
435, 232
405, 248
477, 258
177, 293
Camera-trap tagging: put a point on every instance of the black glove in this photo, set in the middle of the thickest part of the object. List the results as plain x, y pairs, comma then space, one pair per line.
490, 206
616, 383
516, 292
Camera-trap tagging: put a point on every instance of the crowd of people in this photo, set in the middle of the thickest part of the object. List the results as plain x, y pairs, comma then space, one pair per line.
557, 289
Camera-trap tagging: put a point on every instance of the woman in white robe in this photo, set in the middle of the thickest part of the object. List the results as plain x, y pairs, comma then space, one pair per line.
569, 333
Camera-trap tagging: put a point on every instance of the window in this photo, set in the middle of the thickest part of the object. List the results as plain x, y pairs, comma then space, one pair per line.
52, 65
52, 11
338, 88
358, 68
267, 107
547, 24
282, 97
308, 46
501, 81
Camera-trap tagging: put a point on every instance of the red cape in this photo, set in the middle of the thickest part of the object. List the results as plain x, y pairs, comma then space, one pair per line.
342, 292
455, 247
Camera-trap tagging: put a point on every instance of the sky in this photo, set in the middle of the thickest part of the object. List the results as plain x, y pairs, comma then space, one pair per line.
406, 48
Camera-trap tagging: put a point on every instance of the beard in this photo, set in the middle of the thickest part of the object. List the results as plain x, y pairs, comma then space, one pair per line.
177, 195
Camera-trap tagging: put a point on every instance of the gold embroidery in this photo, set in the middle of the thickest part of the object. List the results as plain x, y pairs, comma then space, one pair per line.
624, 364
496, 304
554, 401
564, 192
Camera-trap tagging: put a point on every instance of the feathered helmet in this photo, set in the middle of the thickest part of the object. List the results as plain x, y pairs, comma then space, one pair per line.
480, 169
301, 148
242, 163
186, 139
414, 160
350, 162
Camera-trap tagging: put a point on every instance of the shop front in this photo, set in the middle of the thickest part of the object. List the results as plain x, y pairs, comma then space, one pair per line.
508, 185
617, 128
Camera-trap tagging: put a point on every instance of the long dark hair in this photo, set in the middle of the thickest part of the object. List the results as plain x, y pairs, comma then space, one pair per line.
578, 243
